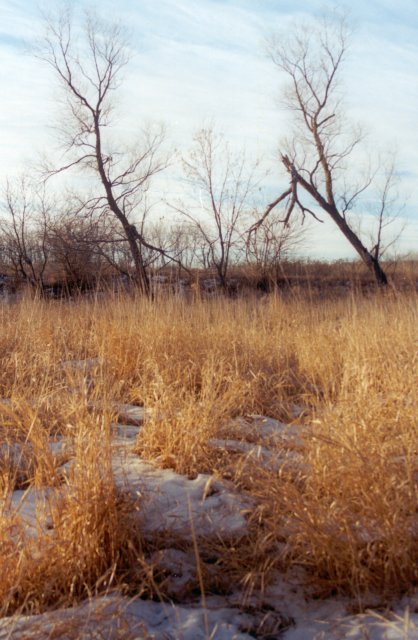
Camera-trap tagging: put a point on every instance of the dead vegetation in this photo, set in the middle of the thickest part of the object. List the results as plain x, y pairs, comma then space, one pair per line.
334, 492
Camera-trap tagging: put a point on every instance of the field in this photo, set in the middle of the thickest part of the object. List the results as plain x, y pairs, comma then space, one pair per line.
209, 468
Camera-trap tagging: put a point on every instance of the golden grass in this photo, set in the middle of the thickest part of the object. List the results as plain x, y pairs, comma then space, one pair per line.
349, 516
85, 546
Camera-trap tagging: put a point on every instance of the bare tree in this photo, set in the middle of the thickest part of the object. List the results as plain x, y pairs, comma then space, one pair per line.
24, 231
186, 239
76, 243
316, 155
273, 243
222, 187
387, 213
90, 72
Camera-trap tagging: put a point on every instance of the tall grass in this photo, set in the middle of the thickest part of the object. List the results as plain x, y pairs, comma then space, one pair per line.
348, 368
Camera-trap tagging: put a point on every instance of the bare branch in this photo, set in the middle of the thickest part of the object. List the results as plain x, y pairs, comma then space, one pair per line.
311, 57
268, 210
89, 71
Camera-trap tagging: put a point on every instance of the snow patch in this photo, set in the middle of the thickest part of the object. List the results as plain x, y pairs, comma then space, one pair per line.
130, 414
173, 503
32, 508
281, 459
115, 618
256, 428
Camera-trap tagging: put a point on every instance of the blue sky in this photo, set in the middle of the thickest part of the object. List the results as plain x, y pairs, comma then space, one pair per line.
196, 61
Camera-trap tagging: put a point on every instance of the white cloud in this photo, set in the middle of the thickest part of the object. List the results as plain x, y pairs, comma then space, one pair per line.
203, 60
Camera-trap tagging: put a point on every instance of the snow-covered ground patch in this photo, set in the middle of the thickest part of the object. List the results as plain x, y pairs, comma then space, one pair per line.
174, 511
401, 625
131, 414
172, 503
32, 509
268, 431
116, 618
283, 459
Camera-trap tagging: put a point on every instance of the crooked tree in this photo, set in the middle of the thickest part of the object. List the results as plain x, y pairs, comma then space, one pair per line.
316, 156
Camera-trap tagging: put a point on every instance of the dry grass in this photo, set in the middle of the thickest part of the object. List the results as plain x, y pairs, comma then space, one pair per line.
85, 545
349, 516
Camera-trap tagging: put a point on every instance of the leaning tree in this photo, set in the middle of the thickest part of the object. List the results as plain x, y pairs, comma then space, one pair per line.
316, 156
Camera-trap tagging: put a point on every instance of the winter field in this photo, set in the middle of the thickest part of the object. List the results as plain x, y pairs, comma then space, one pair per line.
209, 469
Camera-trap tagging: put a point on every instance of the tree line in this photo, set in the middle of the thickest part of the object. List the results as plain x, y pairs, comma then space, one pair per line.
45, 242
221, 219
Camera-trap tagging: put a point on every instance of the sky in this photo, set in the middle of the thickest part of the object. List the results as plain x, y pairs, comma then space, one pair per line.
195, 62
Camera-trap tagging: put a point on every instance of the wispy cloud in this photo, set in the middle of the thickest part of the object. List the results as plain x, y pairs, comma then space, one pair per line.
203, 60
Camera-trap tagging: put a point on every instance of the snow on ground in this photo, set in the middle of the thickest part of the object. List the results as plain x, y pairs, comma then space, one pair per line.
266, 442
392, 626
262, 456
181, 508
172, 503
124, 435
256, 428
118, 618
32, 509
130, 414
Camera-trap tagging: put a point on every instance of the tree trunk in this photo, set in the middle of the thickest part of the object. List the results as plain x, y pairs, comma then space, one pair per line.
371, 262
141, 275
131, 232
